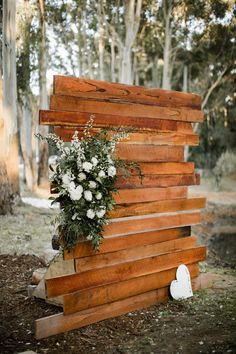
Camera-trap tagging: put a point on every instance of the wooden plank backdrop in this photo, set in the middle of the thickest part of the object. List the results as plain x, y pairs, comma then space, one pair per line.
149, 234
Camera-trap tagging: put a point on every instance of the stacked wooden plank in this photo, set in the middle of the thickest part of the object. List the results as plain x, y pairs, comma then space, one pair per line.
150, 231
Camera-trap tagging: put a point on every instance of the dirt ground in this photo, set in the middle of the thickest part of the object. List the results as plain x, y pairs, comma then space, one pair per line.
205, 323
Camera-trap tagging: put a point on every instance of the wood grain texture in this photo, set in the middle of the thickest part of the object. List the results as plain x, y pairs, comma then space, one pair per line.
79, 119
59, 323
82, 300
158, 181
84, 249
55, 324
135, 224
157, 207
123, 271
127, 196
131, 254
102, 90
149, 138
71, 103
150, 153
162, 168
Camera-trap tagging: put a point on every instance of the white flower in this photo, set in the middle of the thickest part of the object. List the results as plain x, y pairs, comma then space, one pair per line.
71, 186
94, 161
66, 150
99, 196
66, 179
76, 193
90, 214
87, 166
88, 196
92, 184
101, 174
111, 171
81, 176
101, 213
89, 237
109, 158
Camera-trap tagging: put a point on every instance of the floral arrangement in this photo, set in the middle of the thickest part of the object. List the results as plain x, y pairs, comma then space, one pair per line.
85, 177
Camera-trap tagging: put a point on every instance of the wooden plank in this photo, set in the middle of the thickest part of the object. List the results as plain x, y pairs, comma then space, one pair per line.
149, 153
162, 168
79, 119
149, 138
111, 244
55, 324
127, 196
124, 271
157, 181
157, 207
135, 224
59, 323
71, 103
131, 254
94, 89
88, 298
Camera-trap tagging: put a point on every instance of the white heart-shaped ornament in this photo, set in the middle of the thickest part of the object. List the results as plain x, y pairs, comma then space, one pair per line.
181, 288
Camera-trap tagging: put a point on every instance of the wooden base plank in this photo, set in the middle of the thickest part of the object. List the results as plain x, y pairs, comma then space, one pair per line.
102, 90
149, 153
79, 119
128, 196
71, 103
135, 224
59, 323
88, 298
131, 254
149, 138
112, 244
155, 181
157, 207
124, 271
162, 168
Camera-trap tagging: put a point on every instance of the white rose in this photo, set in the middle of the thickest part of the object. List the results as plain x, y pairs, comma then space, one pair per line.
111, 171
94, 161
81, 176
109, 159
90, 214
71, 186
99, 196
101, 213
89, 237
87, 166
92, 184
66, 179
76, 193
101, 174
88, 196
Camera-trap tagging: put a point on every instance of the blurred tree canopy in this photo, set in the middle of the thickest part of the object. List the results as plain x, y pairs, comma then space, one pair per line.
183, 45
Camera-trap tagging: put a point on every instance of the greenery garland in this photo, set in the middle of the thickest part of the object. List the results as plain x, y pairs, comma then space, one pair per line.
85, 176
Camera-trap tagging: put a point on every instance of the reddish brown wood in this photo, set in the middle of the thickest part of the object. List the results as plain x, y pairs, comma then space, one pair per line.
162, 168
157, 181
88, 298
150, 153
79, 119
51, 325
149, 138
71, 103
131, 254
127, 196
84, 249
157, 207
123, 271
102, 90
134, 224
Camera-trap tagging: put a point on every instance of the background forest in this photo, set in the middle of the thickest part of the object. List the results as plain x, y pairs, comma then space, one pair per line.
183, 45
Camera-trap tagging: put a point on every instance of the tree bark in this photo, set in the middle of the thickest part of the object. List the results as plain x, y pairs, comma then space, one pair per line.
166, 79
43, 98
9, 157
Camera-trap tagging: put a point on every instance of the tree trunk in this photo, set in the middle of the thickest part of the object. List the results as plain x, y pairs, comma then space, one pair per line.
166, 79
155, 78
43, 98
101, 44
9, 157
132, 21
